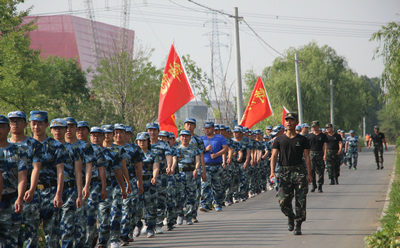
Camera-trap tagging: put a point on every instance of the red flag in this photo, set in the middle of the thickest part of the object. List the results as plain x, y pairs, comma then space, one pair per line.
285, 110
175, 89
169, 125
258, 108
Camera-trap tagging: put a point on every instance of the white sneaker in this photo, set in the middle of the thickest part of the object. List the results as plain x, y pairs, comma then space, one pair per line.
159, 230
144, 230
179, 220
114, 244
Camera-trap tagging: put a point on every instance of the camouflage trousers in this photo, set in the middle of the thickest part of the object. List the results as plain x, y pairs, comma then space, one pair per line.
150, 198
233, 191
317, 167
172, 200
180, 194
80, 224
264, 175
378, 152
293, 184
129, 209
243, 182
189, 186
228, 182
50, 216
69, 218
110, 215
162, 184
226, 179
29, 236
352, 157
198, 193
91, 213
215, 193
333, 162
10, 223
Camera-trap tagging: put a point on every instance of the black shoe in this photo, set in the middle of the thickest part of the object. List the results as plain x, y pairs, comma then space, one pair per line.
297, 230
382, 167
290, 224
332, 182
170, 227
320, 189
313, 187
378, 168
337, 181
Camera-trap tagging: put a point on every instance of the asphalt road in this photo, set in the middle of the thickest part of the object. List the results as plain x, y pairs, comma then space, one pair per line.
340, 217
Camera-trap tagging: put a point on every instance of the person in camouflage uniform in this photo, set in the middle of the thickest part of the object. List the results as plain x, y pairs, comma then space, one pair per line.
29, 236
334, 150
98, 185
151, 168
242, 162
73, 184
189, 163
318, 145
51, 178
86, 152
134, 157
293, 179
110, 209
353, 146
13, 179
266, 162
163, 151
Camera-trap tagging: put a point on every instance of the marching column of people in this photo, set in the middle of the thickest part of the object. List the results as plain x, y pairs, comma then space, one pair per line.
93, 186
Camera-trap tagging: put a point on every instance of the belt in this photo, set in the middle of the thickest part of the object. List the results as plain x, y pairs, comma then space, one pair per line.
332, 150
147, 177
8, 197
69, 184
317, 152
42, 186
292, 167
186, 169
214, 164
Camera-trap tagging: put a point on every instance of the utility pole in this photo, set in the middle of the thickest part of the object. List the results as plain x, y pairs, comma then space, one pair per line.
239, 93
299, 106
331, 86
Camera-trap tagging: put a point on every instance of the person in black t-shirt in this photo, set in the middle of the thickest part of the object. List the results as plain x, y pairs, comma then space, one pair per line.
318, 142
334, 149
293, 178
379, 139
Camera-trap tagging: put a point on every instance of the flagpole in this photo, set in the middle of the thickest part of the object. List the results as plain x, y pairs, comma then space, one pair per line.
239, 97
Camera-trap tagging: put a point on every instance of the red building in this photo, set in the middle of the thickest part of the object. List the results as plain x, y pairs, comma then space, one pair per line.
69, 36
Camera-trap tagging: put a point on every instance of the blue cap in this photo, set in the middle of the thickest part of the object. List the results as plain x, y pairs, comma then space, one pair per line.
237, 129
119, 126
228, 130
245, 129
71, 120
108, 128
278, 128
163, 134
298, 128
268, 127
265, 136
38, 115
185, 132
216, 126
58, 122
208, 124
257, 131
96, 130
342, 131
128, 129
273, 134
17, 114
143, 136
222, 127
152, 125
304, 125
171, 135
4, 119
83, 124
191, 120
351, 131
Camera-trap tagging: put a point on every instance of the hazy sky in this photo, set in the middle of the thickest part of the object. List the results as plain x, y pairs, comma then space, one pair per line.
346, 26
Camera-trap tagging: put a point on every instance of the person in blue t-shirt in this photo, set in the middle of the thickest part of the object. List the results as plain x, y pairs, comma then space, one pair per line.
216, 146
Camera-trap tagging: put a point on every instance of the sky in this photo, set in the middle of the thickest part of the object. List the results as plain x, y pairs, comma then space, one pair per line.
344, 25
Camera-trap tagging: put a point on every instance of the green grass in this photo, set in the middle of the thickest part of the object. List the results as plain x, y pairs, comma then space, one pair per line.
389, 235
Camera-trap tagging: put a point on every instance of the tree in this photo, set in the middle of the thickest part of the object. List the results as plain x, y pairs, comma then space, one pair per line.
130, 86
317, 65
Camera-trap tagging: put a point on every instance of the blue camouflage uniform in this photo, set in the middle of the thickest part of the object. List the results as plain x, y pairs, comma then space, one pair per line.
352, 151
95, 195
13, 160
110, 209
29, 236
187, 164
